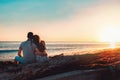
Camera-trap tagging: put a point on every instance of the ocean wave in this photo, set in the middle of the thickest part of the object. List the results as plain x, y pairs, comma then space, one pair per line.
4, 51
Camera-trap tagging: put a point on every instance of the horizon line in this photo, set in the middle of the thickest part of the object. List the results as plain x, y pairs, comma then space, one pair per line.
65, 41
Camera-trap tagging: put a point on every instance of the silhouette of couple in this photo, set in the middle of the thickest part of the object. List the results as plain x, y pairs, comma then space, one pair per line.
34, 50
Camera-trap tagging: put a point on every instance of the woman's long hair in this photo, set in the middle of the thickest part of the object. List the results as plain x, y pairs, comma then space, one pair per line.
36, 39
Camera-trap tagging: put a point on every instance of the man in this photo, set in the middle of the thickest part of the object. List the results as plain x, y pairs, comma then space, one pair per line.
29, 51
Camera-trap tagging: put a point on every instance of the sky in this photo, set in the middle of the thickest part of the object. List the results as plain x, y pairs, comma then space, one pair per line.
60, 20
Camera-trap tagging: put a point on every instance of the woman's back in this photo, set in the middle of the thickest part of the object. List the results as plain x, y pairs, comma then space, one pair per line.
42, 48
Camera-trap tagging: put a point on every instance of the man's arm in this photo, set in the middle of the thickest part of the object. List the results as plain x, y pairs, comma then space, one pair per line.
19, 52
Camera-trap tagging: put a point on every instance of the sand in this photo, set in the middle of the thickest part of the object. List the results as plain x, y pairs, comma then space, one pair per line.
100, 59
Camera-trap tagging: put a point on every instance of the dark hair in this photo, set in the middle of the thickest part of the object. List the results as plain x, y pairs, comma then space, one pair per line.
39, 43
30, 35
36, 39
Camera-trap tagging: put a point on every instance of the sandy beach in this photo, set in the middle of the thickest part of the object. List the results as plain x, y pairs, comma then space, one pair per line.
106, 58
80, 37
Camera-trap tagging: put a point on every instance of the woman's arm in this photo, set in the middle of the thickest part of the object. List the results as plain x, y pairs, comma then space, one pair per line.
37, 52
45, 53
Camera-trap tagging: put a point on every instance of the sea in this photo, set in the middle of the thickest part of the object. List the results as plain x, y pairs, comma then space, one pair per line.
9, 49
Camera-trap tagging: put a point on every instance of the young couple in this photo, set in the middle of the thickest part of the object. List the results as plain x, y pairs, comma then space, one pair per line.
34, 50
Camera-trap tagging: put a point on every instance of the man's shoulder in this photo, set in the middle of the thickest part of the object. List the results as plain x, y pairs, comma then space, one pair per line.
24, 42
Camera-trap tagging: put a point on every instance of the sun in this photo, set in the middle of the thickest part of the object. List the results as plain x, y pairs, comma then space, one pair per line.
111, 35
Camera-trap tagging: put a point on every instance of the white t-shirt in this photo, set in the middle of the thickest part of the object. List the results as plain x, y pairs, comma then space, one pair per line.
28, 51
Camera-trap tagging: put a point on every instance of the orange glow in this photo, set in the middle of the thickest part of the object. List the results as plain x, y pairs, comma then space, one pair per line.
112, 45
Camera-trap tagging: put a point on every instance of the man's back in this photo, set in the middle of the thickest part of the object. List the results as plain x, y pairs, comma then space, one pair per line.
28, 51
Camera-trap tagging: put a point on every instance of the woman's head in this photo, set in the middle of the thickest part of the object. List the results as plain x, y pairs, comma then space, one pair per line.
36, 39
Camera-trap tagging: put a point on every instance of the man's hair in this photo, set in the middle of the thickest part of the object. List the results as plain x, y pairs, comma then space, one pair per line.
30, 35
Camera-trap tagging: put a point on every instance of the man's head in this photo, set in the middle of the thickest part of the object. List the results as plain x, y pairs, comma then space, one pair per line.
30, 35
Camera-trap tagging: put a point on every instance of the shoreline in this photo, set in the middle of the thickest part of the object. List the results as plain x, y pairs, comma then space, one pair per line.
61, 64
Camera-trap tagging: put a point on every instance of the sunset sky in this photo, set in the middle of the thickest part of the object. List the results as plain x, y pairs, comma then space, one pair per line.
60, 20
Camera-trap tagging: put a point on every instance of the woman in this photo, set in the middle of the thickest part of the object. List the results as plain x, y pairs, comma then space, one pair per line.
42, 48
